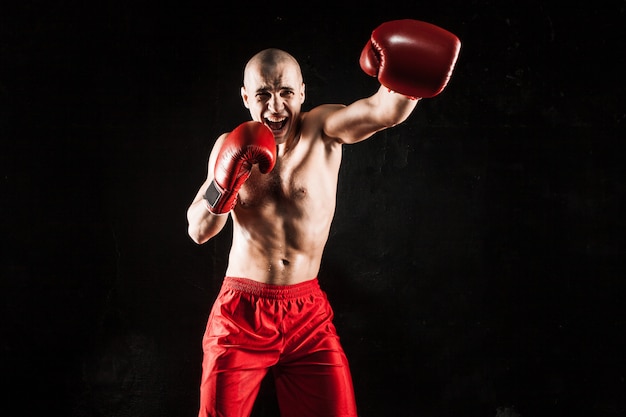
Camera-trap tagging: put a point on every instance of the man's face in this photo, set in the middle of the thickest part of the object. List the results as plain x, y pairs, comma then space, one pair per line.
274, 95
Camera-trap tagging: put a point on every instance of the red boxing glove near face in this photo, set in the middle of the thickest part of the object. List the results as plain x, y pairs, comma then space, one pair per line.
411, 57
248, 144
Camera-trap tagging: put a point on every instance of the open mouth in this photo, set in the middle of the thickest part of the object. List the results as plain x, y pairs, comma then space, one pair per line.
276, 124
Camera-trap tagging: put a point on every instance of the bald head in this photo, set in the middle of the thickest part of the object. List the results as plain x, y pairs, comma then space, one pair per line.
273, 91
267, 61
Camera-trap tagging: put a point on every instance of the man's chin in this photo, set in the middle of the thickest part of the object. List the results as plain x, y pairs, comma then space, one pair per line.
279, 134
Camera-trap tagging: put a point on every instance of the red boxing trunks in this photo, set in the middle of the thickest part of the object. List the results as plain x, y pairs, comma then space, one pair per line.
254, 327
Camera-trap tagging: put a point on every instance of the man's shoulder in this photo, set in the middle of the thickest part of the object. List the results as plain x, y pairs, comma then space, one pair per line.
313, 123
325, 109
316, 117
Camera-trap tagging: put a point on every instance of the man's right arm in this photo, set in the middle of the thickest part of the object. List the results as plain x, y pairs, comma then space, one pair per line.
230, 164
202, 224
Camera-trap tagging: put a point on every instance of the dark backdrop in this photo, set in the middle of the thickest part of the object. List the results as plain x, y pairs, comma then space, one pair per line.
476, 260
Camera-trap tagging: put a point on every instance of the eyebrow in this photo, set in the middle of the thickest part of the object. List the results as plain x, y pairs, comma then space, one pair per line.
267, 88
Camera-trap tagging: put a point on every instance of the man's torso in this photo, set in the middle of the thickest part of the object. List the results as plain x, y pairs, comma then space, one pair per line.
282, 219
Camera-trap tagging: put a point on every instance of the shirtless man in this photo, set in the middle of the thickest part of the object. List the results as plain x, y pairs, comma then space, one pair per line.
277, 178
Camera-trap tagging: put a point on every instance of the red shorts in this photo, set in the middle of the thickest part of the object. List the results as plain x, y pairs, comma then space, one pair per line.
254, 327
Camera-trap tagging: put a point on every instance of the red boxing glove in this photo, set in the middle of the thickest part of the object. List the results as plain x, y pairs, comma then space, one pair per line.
411, 57
248, 144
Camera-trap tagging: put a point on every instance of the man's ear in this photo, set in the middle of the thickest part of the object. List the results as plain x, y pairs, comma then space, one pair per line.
244, 97
303, 93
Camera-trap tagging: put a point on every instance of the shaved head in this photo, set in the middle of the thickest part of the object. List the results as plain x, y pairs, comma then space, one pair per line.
273, 92
268, 60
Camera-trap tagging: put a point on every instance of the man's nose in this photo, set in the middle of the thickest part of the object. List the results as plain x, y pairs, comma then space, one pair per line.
276, 104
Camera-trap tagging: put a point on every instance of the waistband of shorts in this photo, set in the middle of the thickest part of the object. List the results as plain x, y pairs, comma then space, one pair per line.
272, 291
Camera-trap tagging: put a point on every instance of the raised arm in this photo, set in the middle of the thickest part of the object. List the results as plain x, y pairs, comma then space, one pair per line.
412, 60
364, 117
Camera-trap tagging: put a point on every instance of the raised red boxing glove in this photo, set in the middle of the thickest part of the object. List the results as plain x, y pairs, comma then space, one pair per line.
411, 57
248, 144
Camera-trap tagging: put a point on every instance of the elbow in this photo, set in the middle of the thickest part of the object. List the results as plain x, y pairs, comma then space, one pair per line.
196, 235
195, 229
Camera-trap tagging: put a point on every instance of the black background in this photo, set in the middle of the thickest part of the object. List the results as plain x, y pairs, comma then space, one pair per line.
476, 260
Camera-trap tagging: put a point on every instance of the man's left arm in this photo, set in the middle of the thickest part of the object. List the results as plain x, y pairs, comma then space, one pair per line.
411, 59
364, 117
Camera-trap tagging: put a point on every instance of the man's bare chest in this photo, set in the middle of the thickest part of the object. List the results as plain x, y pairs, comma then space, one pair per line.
309, 172
286, 183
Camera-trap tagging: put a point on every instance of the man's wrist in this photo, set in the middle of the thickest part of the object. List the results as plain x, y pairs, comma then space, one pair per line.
213, 197
210, 209
213, 194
